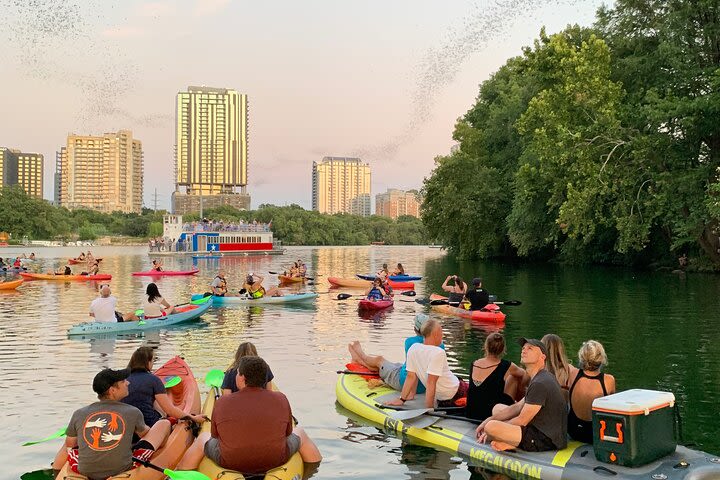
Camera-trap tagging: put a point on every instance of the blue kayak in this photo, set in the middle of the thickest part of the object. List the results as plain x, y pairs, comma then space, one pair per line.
394, 278
245, 300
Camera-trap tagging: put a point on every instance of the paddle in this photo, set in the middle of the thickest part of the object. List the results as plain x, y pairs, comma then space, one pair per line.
433, 413
352, 372
174, 474
172, 381
444, 301
214, 378
199, 301
58, 434
306, 278
345, 296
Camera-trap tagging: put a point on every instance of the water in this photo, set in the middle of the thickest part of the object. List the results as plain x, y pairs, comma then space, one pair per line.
659, 331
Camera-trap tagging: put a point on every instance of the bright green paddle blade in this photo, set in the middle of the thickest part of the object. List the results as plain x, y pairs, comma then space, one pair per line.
172, 381
185, 475
45, 474
58, 434
202, 300
139, 312
214, 378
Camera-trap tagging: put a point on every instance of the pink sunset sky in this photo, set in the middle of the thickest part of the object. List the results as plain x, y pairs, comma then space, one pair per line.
382, 80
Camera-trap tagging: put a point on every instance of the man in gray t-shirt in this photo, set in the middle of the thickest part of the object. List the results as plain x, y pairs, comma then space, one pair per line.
539, 421
99, 436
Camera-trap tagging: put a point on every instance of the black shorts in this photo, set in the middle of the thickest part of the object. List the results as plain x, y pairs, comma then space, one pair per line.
533, 440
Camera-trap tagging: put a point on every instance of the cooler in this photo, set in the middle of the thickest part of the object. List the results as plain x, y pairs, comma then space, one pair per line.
633, 427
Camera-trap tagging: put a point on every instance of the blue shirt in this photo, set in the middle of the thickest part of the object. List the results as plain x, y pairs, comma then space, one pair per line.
409, 342
142, 390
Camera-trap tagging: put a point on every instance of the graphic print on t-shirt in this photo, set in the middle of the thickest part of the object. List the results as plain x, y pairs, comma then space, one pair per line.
103, 430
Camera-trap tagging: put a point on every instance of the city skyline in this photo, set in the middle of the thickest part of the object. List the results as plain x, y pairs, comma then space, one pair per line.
317, 88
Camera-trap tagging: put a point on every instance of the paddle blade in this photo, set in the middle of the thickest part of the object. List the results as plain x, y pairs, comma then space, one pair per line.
421, 422
58, 434
201, 301
509, 302
172, 381
439, 302
409, 293
405, 415
185, 475
422, 301
214, 378
343, 296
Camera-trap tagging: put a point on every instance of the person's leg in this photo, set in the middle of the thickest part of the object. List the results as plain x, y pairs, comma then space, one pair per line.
372, 362
158, 433
273, 292
194, 454
504, 436
308, 450
130, 317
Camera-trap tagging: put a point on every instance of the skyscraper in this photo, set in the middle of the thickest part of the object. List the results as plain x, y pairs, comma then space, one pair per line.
102, 173
24, 169
211, 149
341, 185
395, 203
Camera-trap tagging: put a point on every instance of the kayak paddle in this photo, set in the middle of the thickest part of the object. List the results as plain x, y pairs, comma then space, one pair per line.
58, 434
172, 381
351, 372
174, 474
214, 378
444, 301
345, 296
431, 412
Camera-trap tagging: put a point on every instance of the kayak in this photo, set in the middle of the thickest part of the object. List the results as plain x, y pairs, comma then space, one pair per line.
244, 300
14, 269
480, 315
394, 278
366, 304
358, 283
288, 279
184, 313
11, 285
64, 278
576, 462
186, 396
75, 261
292, 470
165, 273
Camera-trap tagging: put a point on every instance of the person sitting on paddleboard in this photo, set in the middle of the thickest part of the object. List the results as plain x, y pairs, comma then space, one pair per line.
456, 292
99, 442
157, 266
477, 296
399, 270
376, 291
254, 289
155, 305
245, 349
219, 284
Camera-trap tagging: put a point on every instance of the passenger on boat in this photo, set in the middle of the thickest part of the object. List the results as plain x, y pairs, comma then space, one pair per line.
17, 263
80, 257
539, 421
32, 256
477, 296
253, 287
383, 272
245, 349
99, 442
155, 305
494, 380
293, 271
392, 373
65, 271
146, 389
456, 292
302, 269
219, 284
376, 291
427, 362
157, 265
94, 268
588, 383
102, 309
557, 362
89, 257
399, 270
252, 429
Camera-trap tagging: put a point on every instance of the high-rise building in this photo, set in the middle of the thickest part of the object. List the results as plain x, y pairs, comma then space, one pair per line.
395, 203
103, 173
24, 169
211, 149
337, 181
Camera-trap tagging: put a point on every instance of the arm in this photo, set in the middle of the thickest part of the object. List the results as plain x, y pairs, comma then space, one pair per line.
61, 456
504, 414
430, 390
226, 391
522, 377
445, 284
408, 391
167, 406
526, 415
610, 384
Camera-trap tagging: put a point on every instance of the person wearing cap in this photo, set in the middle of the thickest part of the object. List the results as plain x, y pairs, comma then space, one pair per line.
99, 442
392, 373
427, 363
539, 421
477, 296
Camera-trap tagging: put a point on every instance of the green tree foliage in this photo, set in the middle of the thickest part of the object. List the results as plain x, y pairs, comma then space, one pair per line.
604, 144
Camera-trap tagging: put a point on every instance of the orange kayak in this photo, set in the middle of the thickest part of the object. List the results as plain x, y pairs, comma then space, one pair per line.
288, 279
358, 283
492, 316
11, 285
184, 395
64, 278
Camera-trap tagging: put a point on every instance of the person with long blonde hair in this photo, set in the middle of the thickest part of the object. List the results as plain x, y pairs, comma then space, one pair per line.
557, 361
245, 349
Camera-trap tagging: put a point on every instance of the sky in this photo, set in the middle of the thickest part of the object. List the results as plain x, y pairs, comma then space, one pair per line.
384, 80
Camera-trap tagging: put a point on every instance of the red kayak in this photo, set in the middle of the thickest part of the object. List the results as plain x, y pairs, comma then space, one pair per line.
165, 273
366, 304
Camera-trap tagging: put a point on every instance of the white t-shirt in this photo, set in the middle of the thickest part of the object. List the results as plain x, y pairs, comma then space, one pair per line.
154, 309
428, 359
104, 309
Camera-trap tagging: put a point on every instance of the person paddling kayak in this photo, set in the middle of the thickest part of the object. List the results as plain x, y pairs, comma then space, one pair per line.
456, 292
376, 291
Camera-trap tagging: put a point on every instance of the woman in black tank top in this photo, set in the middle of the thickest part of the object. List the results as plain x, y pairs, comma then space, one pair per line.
484, 394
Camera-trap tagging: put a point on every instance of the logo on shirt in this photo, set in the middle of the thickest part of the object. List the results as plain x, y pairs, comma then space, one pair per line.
103, 430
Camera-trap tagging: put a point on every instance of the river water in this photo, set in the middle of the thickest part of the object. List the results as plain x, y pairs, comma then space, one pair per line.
660, 331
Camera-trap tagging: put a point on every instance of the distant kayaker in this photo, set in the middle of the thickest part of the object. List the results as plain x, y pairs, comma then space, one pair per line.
538, 422
457, 291
219, 284
586, 385
65, 271
99, 442
399, 270
252, 429
383, 273
32, 256
254, 289
155, 305
80, 257
302, 269
376, 291
494, 380
145, 389
427, 363
477, 296
157, 265
245, 349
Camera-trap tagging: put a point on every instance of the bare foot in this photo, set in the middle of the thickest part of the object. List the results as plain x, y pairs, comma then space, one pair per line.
353, 353
501, 446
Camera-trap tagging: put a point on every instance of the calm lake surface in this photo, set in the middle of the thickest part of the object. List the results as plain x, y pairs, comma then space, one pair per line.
660, 331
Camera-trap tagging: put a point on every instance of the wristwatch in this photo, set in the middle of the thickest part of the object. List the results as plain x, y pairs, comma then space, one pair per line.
403, 400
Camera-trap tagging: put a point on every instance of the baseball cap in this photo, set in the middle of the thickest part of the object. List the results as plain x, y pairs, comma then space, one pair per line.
534, 342
107, 378
420, 318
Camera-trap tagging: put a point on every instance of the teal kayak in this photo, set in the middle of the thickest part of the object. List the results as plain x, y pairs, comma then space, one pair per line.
244, 300
185, 313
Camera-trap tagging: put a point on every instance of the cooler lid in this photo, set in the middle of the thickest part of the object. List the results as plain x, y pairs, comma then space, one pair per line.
634, 402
